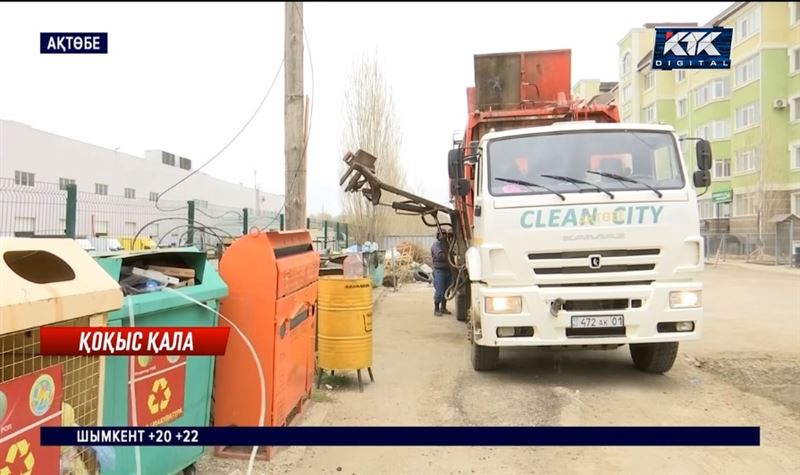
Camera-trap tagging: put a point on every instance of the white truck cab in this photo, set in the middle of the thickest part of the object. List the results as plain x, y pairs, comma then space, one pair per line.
585, 235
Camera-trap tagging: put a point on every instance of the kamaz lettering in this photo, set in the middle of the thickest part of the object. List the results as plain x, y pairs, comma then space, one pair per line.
572, 217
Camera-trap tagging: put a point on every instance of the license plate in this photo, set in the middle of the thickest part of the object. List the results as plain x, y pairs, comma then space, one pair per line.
605, 321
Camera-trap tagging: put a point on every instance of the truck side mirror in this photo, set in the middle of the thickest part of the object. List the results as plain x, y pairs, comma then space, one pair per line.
455, 163
702, 178
704, 161
459, 187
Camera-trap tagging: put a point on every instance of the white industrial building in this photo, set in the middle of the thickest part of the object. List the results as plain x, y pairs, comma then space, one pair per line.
116, 191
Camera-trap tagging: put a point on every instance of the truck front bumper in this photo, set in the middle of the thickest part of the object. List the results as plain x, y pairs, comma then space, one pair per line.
640, 324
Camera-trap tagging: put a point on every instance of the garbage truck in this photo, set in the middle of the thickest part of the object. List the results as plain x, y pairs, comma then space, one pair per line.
571, 230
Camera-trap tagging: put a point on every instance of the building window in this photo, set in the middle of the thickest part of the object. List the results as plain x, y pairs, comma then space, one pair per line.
795, 206
649, 80
711, 91
153, 196
650, 113
130, 193
130, 228
794, 156
680, 107
680, 75
708, 209
626, 63
23, 178
747, 160
794, 109
201, 204
748, 70
722, 168
747, 25
744, 205
794, 60
23, 224
626, 93
101, 227
63, 182
748, 115
186, 164
715, 130
794, 13
168, 159
100, 189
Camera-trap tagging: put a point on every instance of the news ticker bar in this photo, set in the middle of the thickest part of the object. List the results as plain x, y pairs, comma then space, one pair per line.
403, 436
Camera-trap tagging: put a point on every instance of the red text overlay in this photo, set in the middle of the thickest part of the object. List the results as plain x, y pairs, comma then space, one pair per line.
58, 341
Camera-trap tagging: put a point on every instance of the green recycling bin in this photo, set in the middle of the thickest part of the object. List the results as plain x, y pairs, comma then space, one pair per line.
170, 390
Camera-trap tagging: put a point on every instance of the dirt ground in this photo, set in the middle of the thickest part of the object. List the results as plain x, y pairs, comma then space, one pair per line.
745, 371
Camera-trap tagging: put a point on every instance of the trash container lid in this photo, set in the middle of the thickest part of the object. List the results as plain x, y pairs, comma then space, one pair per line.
47, 281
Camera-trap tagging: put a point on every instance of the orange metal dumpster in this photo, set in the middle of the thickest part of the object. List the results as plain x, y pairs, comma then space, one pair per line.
272, 295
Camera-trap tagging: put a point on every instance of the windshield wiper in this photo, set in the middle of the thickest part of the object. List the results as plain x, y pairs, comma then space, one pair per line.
625, 179
528, 183
575, 182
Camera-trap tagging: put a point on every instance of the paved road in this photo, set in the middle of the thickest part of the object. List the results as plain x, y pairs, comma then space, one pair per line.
744, 372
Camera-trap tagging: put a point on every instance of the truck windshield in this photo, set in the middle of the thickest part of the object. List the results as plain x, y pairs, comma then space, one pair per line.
647, 157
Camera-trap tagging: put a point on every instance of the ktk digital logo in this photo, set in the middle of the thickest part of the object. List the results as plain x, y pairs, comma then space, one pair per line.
73, 43
692, 48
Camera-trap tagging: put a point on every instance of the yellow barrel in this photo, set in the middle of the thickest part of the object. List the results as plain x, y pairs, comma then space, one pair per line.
345, 323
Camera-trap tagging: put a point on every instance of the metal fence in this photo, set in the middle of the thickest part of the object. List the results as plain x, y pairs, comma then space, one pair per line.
49, 209
770, 248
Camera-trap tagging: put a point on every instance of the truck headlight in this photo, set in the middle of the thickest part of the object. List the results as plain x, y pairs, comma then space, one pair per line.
503, 304
685, 299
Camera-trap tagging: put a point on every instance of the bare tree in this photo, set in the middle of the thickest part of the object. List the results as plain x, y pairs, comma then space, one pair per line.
370, 123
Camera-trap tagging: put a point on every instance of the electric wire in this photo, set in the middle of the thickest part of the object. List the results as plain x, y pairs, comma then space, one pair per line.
259, 368
225, 147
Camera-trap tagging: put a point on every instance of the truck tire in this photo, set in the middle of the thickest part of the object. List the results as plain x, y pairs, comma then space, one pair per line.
484, 358
654, 357
462, 307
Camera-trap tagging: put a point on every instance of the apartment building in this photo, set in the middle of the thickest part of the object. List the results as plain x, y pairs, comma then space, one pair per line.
750, 113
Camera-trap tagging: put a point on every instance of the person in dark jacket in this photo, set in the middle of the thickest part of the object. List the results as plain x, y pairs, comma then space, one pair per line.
442, 274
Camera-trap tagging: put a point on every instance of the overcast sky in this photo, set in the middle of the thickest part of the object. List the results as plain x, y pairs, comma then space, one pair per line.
185, 77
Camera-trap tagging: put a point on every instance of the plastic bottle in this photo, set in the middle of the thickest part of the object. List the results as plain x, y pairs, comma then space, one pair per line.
353, 267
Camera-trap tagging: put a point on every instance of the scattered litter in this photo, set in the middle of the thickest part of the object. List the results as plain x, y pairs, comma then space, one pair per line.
139, 279
695, 381
328, 387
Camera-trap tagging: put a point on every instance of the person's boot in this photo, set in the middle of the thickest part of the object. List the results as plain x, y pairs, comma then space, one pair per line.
436, 311
444, 309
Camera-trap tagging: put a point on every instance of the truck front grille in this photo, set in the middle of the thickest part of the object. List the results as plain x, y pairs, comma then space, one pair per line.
589, 270
601, 253
579, 262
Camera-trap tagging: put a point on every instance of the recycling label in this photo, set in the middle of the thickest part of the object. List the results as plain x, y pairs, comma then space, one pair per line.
26, 404
160, 384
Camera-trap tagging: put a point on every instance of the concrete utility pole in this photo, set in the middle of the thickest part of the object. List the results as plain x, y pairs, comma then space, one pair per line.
293, 118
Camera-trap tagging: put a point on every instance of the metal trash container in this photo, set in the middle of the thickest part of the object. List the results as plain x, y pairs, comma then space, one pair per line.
184, 383
345, 325
48, 282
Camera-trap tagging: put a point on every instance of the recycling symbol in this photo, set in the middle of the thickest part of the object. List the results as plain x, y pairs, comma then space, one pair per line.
153, 403
19, 450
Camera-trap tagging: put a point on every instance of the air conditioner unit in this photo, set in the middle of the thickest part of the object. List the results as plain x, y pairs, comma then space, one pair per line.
779, 104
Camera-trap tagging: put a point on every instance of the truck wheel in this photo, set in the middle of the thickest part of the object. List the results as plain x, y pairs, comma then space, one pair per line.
654, 357
462, 307
484, 358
